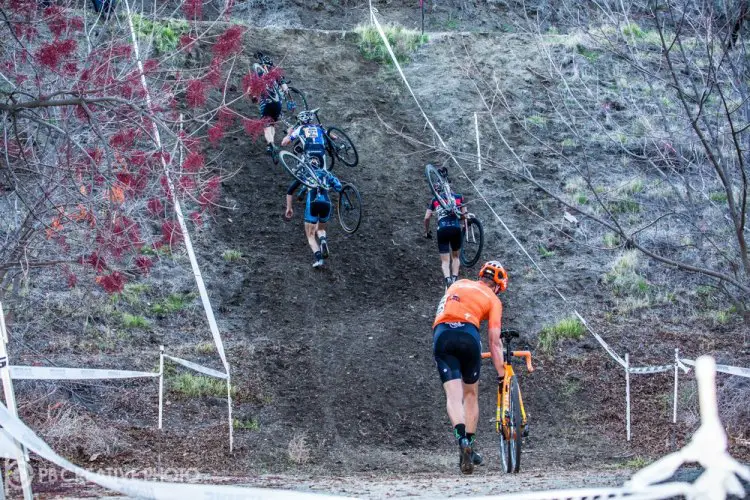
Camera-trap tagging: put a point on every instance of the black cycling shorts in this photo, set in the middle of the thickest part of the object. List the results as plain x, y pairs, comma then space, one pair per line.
270, 109
449, 238
458, 351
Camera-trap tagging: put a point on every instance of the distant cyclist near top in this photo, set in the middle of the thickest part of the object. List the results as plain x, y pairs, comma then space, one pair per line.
457, 347
269, 100
449, 237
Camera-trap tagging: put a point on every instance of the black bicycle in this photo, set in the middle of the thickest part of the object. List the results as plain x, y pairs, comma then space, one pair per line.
471, 229
337, 144
349, 203
293, 100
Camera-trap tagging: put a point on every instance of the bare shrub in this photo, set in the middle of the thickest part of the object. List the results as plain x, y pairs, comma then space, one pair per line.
71, 431
298, 449
734, 406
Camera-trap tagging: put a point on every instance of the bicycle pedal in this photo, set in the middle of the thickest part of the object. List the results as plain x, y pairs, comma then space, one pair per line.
525, 432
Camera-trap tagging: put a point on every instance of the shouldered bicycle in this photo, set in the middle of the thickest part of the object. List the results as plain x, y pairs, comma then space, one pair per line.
338, 144
304, 168
293, 100
472, 230
511, 424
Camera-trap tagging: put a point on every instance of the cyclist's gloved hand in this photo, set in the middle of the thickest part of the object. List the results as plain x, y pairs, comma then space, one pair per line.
288, 214
428, 235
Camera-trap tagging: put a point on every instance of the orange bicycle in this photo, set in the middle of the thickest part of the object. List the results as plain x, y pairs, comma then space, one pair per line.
510, 420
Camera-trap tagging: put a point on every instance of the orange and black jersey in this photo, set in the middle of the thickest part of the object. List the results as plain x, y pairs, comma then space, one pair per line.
468, 301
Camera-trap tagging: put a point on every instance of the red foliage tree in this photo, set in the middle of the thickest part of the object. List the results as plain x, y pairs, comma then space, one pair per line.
79, 139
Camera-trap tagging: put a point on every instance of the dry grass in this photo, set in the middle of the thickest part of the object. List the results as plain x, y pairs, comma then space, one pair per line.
71, 431
298, 450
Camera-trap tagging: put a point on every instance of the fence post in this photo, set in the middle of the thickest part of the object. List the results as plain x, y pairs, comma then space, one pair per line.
161, 384
627, 394
229, 406
676, 379
479, 153
10, 401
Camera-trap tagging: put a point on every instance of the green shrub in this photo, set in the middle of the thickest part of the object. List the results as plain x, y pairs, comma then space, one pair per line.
250, 424
536, 120
165, 34
591, 55
632, 30
568, 328
624, 277
611, 240
131, 321
718, 197
195, 386
403, 42
133, 291
544, 252
174, 302
232, 255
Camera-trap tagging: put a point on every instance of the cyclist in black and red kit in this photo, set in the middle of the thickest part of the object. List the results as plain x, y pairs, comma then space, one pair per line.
449, 237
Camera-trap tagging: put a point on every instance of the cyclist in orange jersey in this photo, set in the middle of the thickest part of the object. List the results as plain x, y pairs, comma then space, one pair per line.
457, 348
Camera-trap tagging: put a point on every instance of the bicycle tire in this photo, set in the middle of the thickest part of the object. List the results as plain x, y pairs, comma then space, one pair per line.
293, 99
342, 147
515, 426
349, 208
299, 169
503, 443
442, 192
472, 243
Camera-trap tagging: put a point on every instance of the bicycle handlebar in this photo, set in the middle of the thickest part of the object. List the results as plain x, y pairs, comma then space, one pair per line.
518, 354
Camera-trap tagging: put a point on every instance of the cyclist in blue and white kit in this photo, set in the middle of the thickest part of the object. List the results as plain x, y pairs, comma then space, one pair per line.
449, 237
318, 205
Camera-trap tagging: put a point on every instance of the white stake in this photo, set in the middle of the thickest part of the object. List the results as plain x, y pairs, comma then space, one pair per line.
229, 406
676, 379
161, 384
10, 402
627, 395
479, 153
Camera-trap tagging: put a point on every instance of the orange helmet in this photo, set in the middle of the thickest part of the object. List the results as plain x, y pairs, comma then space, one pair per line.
496, 272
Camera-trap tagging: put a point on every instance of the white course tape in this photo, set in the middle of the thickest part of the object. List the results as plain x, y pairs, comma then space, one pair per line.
666, 490
143, 489
732, 370
199, 368
177, 208
8, 447
58, 373
651, 369
601, 341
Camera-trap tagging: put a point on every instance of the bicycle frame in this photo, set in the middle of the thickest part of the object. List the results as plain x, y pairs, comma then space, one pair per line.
502, 415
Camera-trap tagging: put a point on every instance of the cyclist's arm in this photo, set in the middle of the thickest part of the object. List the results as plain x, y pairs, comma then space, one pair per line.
289, 137
427, 217
496, 341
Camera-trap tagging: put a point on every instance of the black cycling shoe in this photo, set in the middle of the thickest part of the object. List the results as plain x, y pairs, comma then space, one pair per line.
476, 458
324, 247
525, 432
466, 463
273, 152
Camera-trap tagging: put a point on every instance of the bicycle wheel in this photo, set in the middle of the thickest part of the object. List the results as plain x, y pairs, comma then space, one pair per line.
342, 147
500, 429
349, 208
515, 427
439, 187
294, 101
299, 169
473, 241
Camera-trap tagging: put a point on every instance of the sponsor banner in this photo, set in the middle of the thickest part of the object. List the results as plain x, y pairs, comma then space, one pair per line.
199, 368
59, 373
